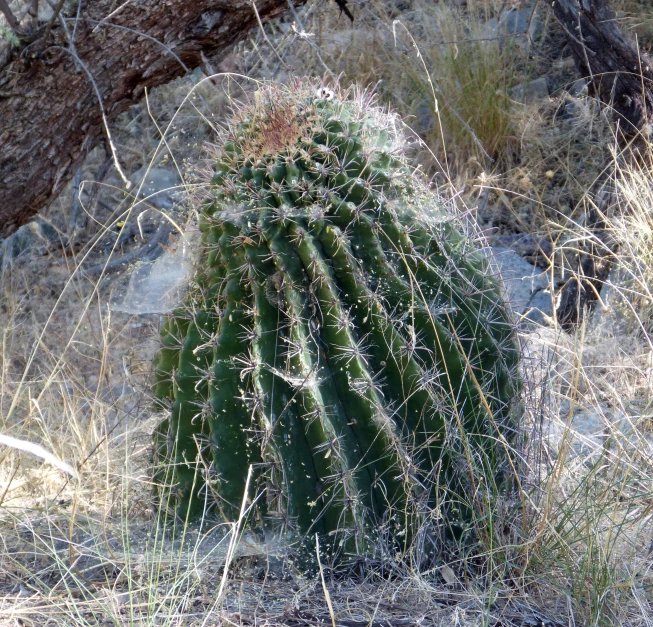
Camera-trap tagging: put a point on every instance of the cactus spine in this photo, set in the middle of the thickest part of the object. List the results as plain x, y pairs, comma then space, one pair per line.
341, 335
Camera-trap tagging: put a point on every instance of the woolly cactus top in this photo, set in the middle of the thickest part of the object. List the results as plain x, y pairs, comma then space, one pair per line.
291, 147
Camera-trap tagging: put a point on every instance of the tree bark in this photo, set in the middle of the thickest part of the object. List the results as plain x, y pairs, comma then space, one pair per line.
618, 73
623, 80
582, 291
96, 61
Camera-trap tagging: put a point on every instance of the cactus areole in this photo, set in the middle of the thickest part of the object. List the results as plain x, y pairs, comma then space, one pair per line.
341, 336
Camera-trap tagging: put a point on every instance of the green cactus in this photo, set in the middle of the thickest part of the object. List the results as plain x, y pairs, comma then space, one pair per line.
341, 335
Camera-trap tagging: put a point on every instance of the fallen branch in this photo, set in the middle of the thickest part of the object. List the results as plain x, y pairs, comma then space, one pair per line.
38, 451
145, 251
11, 18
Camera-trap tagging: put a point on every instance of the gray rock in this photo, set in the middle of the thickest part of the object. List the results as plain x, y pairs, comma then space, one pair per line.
579, 88
583, 432
592, 430
526, 288
514, 22
536, 250
540, 308
613, 314
567, 109
531, 92
161, 187
31, 239
424, 118
521, 22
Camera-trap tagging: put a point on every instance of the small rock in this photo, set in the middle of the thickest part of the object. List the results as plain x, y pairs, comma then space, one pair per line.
579, 88
424, 118
159, 186
514, 22
531, 92
521, 22
613, 314
540, 309
525, 286
567, 109
536, 250
31, 239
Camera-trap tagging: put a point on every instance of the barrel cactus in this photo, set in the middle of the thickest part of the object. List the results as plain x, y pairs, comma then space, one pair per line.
341, 337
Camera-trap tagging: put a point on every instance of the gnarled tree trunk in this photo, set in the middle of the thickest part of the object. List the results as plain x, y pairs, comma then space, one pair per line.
618, 73
623, 80
96, 59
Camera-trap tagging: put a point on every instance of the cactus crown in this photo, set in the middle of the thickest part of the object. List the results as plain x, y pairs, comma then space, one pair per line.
344, 339
293, 147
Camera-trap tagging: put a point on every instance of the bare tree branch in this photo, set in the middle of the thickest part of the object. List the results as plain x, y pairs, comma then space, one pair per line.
619, 74
49, 113
11, 18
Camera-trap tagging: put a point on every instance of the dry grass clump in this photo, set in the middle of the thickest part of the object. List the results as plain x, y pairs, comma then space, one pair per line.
636, 17
632, 224
438, 65
565, 144
447, 77
592, 539
589, 531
